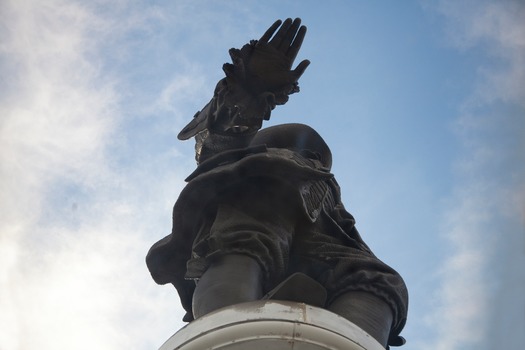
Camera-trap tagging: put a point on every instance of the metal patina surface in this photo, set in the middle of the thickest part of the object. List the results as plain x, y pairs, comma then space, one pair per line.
262, 218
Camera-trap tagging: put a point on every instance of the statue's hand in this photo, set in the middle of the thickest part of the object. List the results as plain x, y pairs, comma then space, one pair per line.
272, 60
265, 65
260, 78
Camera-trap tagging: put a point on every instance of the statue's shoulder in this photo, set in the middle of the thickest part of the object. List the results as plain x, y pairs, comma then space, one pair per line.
261, 161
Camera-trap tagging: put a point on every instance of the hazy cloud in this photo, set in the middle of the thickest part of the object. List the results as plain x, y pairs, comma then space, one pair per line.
487, 207
78, 209
74, 229
86, 188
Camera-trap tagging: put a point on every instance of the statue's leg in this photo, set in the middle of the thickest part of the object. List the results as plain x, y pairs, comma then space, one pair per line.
247, 248
231, 279
367, 311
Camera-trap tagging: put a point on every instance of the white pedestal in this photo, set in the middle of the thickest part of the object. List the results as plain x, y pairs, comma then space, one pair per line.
272, 325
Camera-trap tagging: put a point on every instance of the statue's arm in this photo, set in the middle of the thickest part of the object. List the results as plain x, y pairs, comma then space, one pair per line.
259, 78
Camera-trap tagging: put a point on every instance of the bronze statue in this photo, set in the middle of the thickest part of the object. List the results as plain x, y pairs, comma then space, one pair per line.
262, 212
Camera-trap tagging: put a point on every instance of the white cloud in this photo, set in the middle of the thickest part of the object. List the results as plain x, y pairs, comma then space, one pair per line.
460, 320
74, 229
75, 226
498, 28
488, 201
186, 89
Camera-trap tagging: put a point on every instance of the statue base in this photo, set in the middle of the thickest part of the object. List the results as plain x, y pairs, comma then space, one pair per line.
271, 324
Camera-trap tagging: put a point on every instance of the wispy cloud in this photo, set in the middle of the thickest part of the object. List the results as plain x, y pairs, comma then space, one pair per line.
86, 185
486, 210
78, 212
74, 230
497, 29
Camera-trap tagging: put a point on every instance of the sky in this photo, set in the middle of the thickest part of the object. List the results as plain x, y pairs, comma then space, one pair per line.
421, 102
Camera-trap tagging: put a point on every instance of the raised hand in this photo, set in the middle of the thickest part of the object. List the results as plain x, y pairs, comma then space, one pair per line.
259, 78
280, 51
265, 65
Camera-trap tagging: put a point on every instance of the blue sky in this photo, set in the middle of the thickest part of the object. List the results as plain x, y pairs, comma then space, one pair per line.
421, 102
